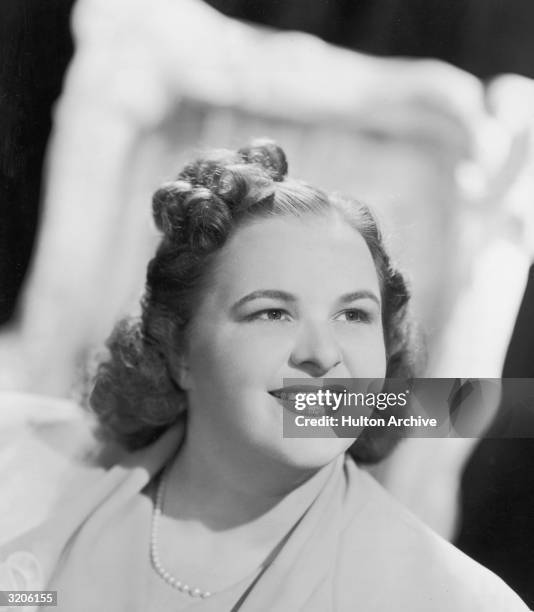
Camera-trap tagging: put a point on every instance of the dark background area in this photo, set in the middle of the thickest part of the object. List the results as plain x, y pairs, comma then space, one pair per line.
35, 48
485, 37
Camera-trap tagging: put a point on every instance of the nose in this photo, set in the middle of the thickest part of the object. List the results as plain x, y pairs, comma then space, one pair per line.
316, 350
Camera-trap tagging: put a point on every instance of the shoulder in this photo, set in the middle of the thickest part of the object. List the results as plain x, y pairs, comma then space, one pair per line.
46, 444
57, 494
404, 556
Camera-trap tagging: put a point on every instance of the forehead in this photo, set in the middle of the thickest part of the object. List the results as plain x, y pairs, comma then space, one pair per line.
311, 255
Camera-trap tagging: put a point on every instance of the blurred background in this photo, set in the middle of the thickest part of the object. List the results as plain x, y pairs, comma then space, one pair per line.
485, 38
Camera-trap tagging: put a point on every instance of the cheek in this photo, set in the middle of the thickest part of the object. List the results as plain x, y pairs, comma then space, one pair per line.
364, 352
258, 352
238, 354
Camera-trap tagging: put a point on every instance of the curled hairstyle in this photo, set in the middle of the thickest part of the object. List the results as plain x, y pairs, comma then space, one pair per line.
134, 396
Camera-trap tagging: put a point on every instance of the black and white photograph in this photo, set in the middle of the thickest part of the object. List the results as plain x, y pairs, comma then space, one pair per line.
266, 305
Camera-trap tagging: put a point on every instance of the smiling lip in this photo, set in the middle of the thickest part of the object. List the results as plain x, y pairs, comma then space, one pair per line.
290, 392
288, 396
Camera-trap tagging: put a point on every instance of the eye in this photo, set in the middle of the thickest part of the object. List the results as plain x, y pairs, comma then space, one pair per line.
354, 315
270, 314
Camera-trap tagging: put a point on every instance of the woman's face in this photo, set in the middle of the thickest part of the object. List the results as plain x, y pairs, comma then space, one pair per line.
289, 298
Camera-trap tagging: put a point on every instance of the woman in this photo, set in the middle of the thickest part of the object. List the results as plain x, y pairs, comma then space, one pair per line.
257, 279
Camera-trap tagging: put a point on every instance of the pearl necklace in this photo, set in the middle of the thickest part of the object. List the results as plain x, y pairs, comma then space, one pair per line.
154, 554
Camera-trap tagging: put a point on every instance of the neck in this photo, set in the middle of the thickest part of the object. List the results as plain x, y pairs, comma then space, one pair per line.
247, 492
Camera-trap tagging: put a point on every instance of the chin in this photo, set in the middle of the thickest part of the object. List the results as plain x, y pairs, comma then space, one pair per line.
312, 453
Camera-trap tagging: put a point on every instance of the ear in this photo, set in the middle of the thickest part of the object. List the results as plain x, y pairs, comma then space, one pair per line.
180, 371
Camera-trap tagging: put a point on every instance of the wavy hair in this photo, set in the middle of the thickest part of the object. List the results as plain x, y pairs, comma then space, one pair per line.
134, 396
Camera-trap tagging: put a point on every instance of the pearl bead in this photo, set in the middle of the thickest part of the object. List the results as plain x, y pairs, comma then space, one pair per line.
154, 555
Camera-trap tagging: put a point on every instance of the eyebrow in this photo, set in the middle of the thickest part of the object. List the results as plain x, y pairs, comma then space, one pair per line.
363, 294
276, 294
273, 294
